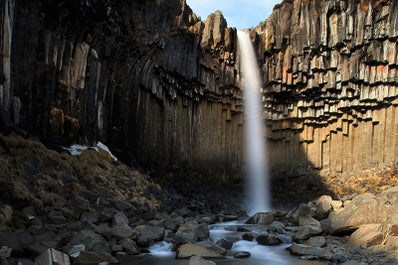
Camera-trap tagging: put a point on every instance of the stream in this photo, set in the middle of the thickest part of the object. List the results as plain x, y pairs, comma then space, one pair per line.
161, 253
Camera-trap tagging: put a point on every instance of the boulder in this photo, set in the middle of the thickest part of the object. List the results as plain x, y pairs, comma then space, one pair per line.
268, 239
129, 246
90, 239
301, 210
148, 234
262, 218
316, 241
119, 219
277, 227
308, 220
212, 246
357, 213
301, 249
367, 235
89, 217
195, 260
189, 250
248, 236
122, 231
323, 206
225, 243
173, 222
307, 231
192, 233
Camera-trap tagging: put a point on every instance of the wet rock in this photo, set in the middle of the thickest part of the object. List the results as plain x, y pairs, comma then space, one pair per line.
225, 243
261, 218
268, 239
189, 250
248, 236
212, 246
277, 227
242, 254
194, 260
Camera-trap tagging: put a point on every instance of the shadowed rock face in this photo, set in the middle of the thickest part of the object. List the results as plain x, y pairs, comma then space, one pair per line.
147, 77
160, 86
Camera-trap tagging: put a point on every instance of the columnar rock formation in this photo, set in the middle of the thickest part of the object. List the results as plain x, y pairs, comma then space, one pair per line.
147, 77
330, 83
156, 83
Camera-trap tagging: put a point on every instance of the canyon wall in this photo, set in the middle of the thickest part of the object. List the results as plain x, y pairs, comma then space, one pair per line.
161, 87
146, 77
330, 84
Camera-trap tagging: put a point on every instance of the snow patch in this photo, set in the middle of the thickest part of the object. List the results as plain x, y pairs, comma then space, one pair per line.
76, 149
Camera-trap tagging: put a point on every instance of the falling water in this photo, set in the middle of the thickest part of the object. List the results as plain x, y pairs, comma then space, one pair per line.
256, 162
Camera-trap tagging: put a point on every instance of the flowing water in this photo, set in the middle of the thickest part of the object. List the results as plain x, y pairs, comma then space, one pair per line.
258, 192
161, 253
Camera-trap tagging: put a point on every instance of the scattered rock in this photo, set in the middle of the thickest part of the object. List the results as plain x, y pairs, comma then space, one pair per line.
316, 241
189, 250
301, 249
242, 254
148, 234
268, 239
367, 235
307, 231
122, 231
129, 246
248, 236
192, 233
262, 218
224, 243
212, 246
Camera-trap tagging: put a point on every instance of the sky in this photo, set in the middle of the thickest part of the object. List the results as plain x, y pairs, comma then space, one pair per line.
240, 14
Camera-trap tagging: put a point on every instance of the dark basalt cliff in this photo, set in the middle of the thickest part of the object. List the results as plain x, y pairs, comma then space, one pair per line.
146, 77
162, 87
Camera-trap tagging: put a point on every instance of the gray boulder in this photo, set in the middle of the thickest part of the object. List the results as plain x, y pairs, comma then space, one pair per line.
262, 218
148, 234
195, 260
301, 249
307, 231
268, 239
129, 246
192, 232
189, 250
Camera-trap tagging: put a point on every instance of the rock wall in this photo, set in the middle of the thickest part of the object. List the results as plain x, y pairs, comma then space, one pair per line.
330, 84
147, 77
161, 87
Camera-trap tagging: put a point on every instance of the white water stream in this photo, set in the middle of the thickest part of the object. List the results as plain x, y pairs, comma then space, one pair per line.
258, 192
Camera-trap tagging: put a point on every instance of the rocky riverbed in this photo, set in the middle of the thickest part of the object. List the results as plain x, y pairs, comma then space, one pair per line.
96, 209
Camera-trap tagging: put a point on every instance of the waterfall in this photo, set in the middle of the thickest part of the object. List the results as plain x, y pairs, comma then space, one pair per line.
256, 161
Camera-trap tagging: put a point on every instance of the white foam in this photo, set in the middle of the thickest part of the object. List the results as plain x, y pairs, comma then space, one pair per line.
162, 249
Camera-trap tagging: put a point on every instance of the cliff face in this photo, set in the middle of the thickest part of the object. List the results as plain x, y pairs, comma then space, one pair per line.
146, 77
162, 87
330, 78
